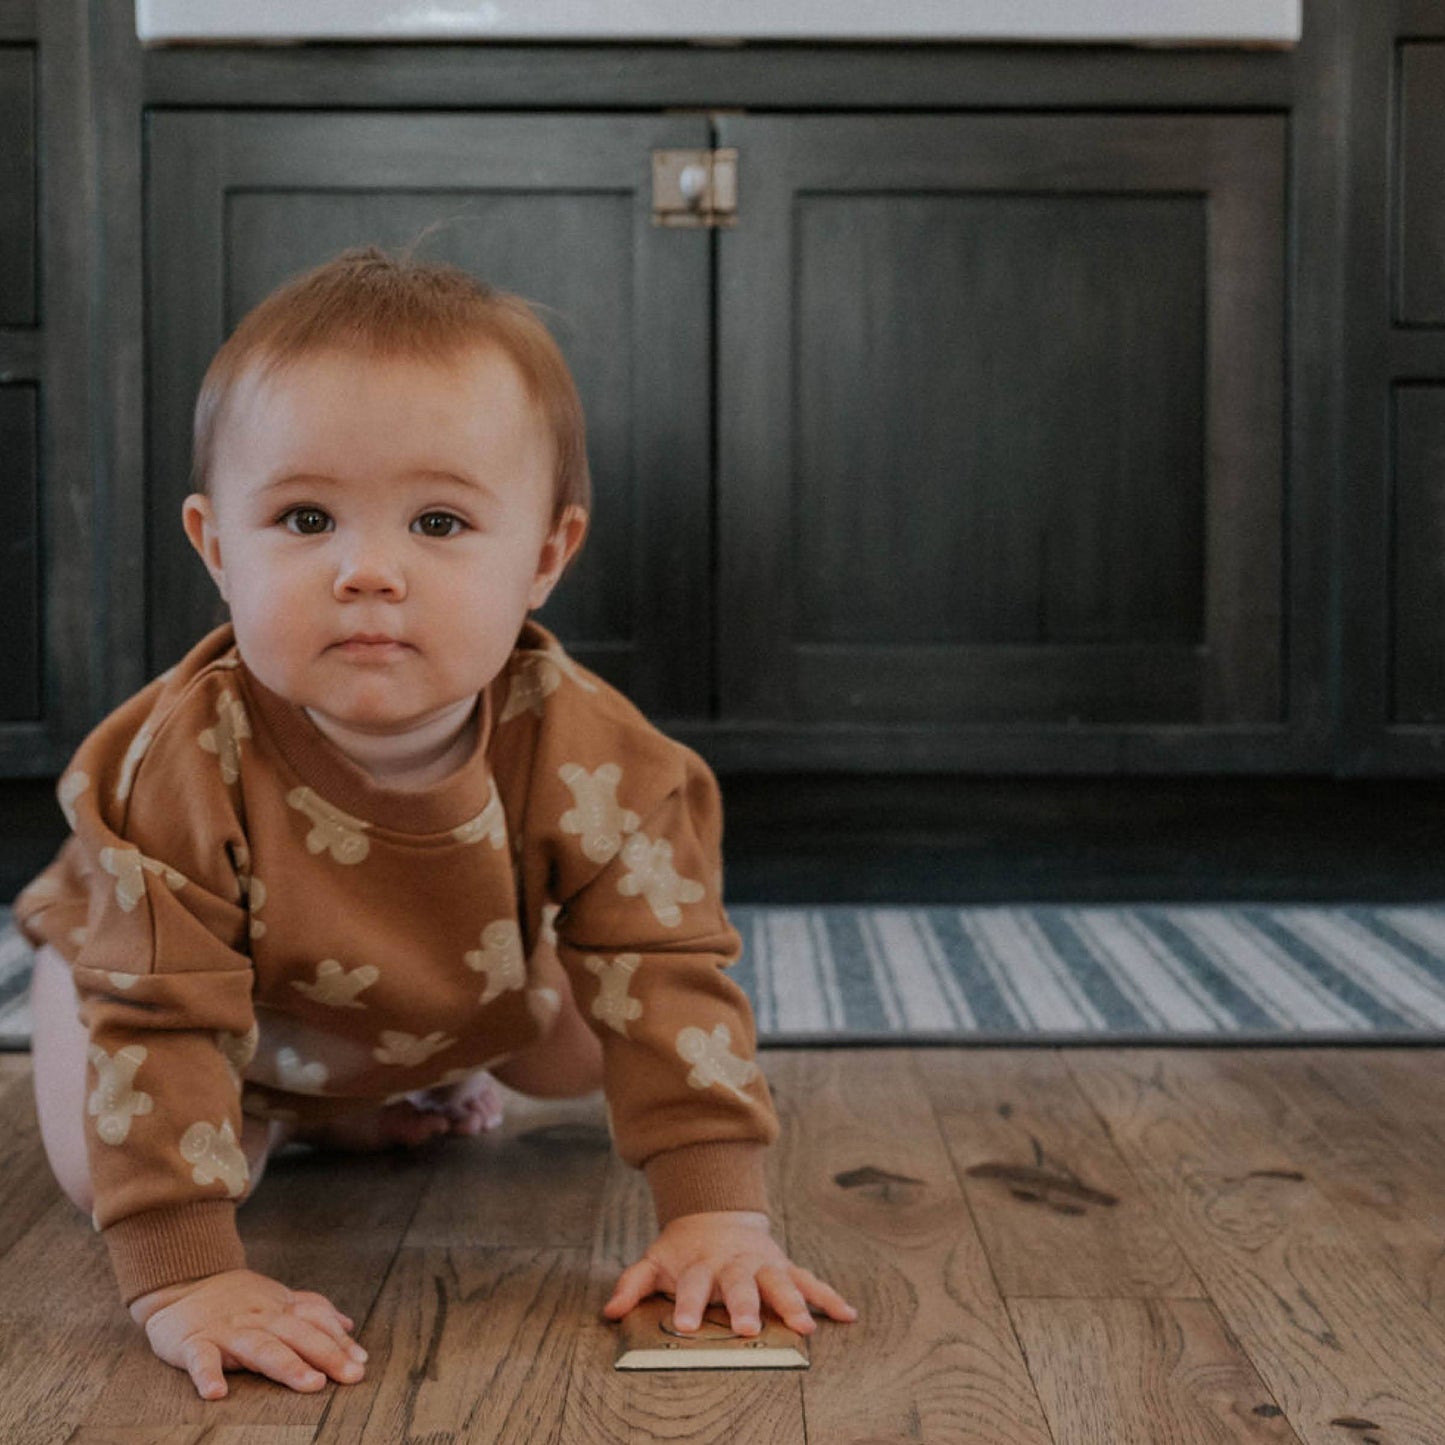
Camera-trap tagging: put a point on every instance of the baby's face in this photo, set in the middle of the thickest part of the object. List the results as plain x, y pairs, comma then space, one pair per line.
380, 529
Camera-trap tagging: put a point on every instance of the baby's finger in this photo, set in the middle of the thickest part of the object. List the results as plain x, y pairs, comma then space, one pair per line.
313, 1306
740, 1294
785, 1297
318, 1348
202, 1362
263, 1352
316, 1311
691, 1297
633, 1285
815, 1291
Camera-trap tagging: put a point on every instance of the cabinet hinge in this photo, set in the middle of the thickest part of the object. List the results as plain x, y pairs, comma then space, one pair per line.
695, 188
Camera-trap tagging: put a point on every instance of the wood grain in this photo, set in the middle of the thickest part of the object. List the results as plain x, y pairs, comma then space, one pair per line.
531, 1183
1333, 1333
874, 1208
62, 1329
1268, 1275
27, 1188
467, 1344
1112, 1370
1374, 1129
1058, 1211
192, 1435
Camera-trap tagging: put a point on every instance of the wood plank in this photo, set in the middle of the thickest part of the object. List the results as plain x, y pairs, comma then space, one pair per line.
466, 1344
1141, 1369
1058, 1211
27, 1187
610, 1407
531, 1183
62, 1329
13, 1067
192, 1435
1334, 1336
874, 1208
1373, 1128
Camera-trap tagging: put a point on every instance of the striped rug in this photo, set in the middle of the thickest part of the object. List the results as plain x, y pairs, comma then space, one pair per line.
1056, 974
1086, 974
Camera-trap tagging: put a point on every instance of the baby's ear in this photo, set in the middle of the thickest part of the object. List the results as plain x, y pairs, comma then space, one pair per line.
558, 550
198, 517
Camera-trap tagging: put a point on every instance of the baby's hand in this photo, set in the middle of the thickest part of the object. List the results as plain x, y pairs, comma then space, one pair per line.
728, 1256
242, 1320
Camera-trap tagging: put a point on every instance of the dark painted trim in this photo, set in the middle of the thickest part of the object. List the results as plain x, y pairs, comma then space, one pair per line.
762, 76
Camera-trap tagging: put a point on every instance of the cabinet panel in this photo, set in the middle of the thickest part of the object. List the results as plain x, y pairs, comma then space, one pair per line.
1001, 422
1418, 545
17, 185
20, 543
1046, 496
555, 208
1421, 190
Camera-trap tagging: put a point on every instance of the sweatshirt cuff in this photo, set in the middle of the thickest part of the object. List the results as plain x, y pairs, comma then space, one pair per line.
699, 1178
169, 1246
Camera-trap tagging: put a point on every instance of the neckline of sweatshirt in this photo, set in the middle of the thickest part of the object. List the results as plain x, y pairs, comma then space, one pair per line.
318, 764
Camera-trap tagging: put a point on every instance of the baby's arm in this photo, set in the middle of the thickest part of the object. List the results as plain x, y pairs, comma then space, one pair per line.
242, 1320
728, 1256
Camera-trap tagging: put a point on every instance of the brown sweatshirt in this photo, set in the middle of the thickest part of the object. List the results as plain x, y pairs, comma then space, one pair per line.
254, 924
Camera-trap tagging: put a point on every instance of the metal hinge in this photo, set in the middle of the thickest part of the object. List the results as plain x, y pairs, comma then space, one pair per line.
695, 188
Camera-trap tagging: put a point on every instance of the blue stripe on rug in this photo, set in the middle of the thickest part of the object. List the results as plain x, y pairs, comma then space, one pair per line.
1220, 987
1056, 973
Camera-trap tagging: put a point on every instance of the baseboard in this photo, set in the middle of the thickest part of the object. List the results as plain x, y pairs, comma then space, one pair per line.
848, 839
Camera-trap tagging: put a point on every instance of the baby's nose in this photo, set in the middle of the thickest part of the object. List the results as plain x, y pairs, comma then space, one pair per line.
370, 568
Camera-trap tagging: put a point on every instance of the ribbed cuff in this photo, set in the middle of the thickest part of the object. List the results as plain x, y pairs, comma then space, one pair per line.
168, 1246
698, 1178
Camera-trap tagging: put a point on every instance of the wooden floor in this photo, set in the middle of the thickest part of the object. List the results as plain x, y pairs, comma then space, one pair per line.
1168, 1247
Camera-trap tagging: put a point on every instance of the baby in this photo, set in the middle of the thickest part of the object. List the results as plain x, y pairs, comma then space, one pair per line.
378, 840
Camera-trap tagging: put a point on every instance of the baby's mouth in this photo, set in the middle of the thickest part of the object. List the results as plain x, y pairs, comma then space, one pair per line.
376, 646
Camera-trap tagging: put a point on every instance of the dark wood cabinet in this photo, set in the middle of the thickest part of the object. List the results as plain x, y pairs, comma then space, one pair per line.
1391, 717
17, 184
1046, 410
997, 400
49, 676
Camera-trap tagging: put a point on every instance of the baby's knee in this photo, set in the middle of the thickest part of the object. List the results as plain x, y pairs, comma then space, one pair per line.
58, 1060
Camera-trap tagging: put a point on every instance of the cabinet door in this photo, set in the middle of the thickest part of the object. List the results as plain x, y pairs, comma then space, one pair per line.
1391, 574
1000, 437
51, 569
556, 208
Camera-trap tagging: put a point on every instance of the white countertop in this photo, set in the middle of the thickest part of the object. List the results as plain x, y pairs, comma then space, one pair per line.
1183, 22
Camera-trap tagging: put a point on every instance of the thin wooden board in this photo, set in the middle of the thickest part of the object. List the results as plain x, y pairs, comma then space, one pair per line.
647, 1340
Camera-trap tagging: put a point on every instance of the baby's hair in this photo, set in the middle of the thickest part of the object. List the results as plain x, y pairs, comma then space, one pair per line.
369, 301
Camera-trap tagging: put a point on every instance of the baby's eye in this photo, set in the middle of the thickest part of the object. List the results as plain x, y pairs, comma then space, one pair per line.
438, 524
306, 521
